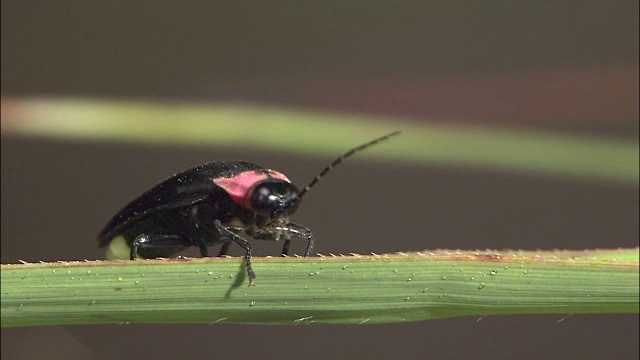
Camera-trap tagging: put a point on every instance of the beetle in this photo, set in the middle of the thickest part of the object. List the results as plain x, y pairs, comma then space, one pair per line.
212, 203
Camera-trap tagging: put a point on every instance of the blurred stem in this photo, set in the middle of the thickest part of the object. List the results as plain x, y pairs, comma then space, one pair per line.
328, 134
341, 289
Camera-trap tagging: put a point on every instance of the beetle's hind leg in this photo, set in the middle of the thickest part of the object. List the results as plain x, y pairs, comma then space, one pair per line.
157, 245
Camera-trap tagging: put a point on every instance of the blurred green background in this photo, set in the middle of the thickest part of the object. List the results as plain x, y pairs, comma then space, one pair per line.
340, 72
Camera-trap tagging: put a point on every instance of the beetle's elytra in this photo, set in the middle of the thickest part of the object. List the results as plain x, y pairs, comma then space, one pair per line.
210, 204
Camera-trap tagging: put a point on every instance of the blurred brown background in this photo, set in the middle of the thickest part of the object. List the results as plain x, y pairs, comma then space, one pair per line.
566, 67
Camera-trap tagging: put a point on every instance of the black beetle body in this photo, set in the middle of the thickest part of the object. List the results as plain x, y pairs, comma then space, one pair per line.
211, 204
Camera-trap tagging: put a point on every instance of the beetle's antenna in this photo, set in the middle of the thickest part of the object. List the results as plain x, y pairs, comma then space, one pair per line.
342, 158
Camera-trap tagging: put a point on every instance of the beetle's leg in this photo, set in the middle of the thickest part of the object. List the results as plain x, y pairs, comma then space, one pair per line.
260, 234
290, 230
303, 233
157, 245
285, 247
270, 235
224, 249
224, 232
195, 230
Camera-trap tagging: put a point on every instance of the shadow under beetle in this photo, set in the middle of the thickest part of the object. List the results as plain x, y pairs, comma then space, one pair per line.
211, 204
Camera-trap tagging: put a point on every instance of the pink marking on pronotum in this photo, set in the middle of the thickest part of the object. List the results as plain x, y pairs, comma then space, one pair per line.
240, 185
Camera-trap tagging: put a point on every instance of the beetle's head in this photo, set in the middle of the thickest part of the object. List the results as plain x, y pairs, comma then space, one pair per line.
274, 199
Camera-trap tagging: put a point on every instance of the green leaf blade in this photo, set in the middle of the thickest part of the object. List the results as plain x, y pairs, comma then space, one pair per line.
340, 290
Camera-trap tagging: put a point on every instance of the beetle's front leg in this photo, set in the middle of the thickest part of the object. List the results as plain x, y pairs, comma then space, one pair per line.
291, 229
260, 234
303, 233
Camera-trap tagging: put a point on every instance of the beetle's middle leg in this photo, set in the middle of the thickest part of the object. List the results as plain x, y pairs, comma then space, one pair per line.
224, 250
230, 235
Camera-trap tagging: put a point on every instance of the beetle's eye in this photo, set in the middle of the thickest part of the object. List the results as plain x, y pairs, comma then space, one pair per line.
271, 198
